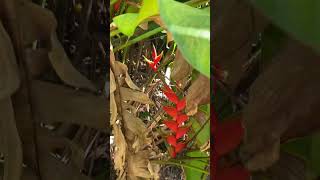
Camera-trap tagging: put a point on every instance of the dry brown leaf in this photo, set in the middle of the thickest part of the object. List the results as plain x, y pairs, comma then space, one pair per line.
181, 69
195, 97
37, 61
144, 26
63, 67
9, 75
120, 151
11, 141
123, 70
65, 104
128, 94
283, 103
38, 23
138, 165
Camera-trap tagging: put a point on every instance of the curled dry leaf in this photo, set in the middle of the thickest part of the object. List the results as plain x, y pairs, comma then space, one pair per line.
195, 97
138, 166
130, 161
120, 151
63, 67
65, 104
38, 23
128, 94
181, 69
37, 61
9, 76
284, 103
11, 143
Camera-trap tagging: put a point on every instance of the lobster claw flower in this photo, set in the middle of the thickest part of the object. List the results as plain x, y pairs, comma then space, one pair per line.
156, 59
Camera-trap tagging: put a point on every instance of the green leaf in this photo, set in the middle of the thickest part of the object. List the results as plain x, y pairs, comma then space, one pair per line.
298, 18
127, 23
191, 174
190, 28
306, 148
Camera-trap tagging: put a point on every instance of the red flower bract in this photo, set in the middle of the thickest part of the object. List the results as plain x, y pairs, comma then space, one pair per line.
179, 147
172, 140
181, 119
171, 111
181, 131
171, 125
181, 104
156, 59
178, 119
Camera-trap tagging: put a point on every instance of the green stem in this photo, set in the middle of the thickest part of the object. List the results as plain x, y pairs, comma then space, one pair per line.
139, 38
180, 164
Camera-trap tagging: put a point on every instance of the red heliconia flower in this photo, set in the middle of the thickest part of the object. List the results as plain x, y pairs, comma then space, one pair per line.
179, 147
156, 59
181, 131
172, 140
170, 94
236, 172
181, 118
171, 125
116, 6
229, 134
171, 111
181, 104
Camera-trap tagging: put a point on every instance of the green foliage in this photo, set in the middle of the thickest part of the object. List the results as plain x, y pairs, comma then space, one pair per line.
191, 31
298, 18
201, 164
306, 148
127, 23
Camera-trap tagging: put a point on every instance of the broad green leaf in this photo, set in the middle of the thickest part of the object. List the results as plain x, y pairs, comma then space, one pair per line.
191, 31
127, 23
194, 175
298, 18
204, 134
